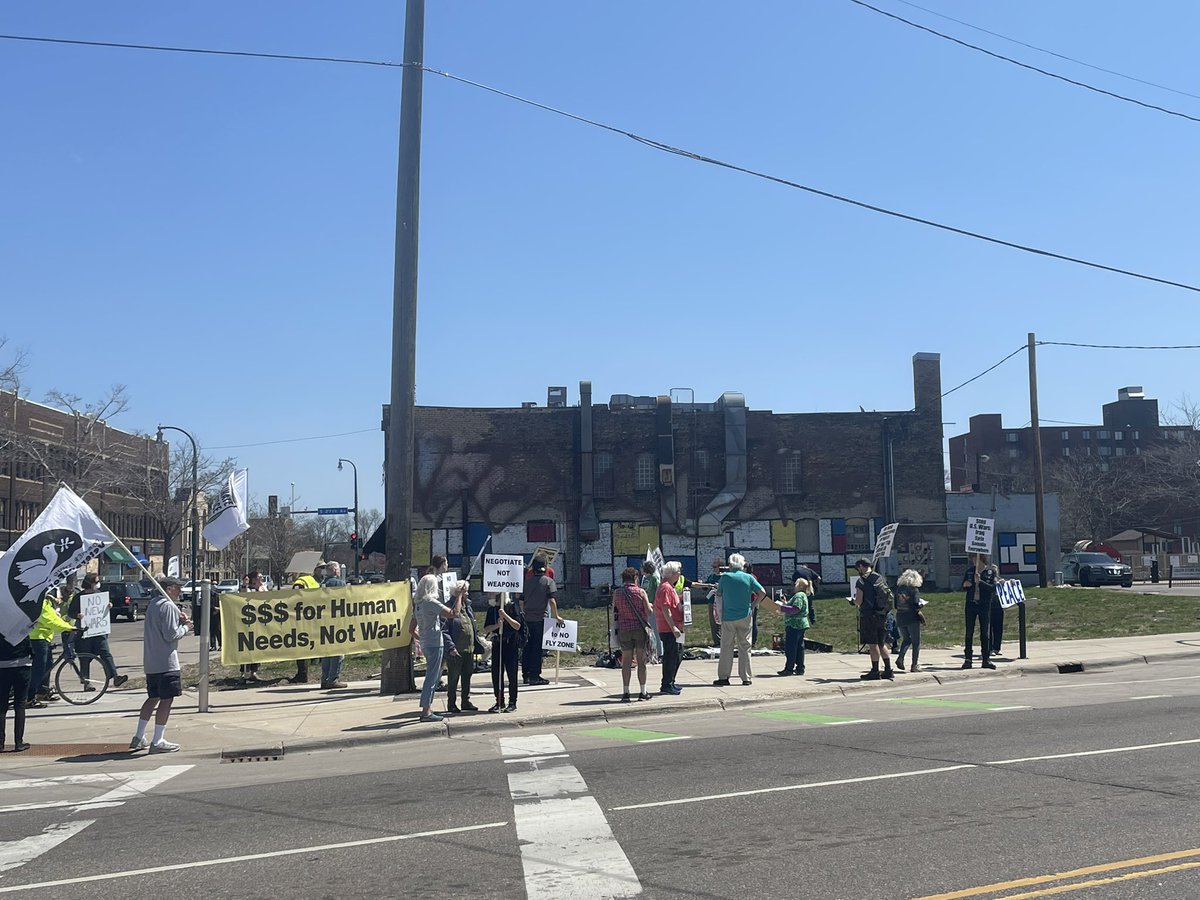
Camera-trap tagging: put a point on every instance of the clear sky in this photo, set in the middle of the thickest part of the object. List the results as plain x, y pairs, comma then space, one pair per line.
217, 233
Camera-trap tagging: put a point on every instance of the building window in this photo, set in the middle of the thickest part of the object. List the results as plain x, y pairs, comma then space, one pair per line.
1118, 435
1136, 435
1066, 435
792, 471
1106, 451
700, 470
540, 531
643, 476
1066, 451
1102, 435
1012, 437
1120, 451
1137, 451
602, 474
1013, 453
1087, 435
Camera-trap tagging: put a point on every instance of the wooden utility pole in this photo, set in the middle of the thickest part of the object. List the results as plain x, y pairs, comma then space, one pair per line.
1039, 485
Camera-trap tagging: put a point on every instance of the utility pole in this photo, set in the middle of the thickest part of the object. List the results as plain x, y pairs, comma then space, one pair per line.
397, 675
1039, 485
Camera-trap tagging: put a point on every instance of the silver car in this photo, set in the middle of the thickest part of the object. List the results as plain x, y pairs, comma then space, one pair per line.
1093, 569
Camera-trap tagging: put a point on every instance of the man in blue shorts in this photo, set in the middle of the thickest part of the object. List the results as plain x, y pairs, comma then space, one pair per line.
165, 625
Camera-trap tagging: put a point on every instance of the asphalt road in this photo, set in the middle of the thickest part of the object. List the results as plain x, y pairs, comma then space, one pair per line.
992, 788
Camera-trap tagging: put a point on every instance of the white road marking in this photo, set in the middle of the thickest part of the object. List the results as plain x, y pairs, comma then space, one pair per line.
795, 787
128, 785
1072, 687
677, 737
31, 783
567, 846
1151, 697
227, 860
14, 854
1130, 749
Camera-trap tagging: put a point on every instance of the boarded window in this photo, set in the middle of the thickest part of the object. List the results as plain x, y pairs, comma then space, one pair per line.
540, 531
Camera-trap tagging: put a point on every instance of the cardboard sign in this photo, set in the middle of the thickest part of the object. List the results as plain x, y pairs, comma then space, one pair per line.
503, 573
549, 552
93, 609
564, 637
979, 535
687, 606
1010, 593
883, 543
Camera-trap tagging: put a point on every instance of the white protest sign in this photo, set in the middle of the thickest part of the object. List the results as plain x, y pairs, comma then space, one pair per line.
503, 573
561, 637
979, 535
687, 606
173, 567
93, 609
449, 580
883, 543
655, 556
1010, 593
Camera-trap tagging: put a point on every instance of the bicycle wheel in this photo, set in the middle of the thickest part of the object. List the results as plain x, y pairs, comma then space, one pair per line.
76, 688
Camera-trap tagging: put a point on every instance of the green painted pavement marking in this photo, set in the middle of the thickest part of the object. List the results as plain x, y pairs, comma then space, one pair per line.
953, 704
635, 735
807, 717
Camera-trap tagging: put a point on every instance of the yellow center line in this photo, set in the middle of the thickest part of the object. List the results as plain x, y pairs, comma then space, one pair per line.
1097, 882
1061, 876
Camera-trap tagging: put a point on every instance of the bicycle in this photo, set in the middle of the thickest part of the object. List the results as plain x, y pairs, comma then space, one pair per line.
81, 680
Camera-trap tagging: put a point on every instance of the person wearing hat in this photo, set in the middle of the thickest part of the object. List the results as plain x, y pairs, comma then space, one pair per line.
165, 625
307, 583
537, 597
96, 645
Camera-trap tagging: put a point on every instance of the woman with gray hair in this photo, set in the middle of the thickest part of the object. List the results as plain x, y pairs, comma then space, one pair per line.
668, 615
908, 616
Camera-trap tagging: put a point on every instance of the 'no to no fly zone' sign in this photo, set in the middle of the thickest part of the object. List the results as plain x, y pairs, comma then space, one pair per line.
503, 573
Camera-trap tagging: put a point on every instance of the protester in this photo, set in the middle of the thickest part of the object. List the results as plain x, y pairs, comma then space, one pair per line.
428, 612
737, 591
909, 617
331, 666
214, 618
668, 616
714, 608
650, 583
997, 618
165, 625
254, 583
873, 598
979, 581
503, 624
461, 664
631, 612
16, 663
307, 583
61, 598
41, 640
97, 645
795, 622
748, 568
813, 577
538, 595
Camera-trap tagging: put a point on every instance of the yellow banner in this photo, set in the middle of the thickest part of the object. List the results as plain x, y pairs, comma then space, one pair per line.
298, 624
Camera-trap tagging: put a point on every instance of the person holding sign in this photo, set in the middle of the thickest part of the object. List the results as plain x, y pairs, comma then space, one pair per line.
538, 597
95, 645
428, 612
668, 615
503, 624
979, 581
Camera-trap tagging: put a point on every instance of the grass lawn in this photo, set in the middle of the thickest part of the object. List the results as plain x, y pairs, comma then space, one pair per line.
1052, 614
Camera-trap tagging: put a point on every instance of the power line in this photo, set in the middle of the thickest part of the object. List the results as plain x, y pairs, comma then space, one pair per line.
1032, 68
985, 371
315, 437
654, 144
1122, 346
1062, 56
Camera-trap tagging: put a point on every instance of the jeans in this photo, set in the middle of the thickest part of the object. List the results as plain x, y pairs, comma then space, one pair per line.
910, 632
97, 646
331, 669
41, 668
973, 612
793, 649
670, 658
433, 668
735, 631
459, 668
68, 645
506, 656
531, 665
14, 685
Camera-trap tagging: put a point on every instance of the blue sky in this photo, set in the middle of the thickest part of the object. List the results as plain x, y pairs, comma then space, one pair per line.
217, 233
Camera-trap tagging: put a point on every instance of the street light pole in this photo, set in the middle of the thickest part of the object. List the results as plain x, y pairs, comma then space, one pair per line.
352, 547
979, 457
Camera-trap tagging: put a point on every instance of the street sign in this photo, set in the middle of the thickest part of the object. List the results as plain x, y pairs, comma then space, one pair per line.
332, 510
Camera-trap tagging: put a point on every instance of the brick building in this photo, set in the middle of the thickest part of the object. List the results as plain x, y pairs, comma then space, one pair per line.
991, 455
601, 482
39, 445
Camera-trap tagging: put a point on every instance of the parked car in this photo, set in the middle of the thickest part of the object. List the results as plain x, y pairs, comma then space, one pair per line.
1092, 569
228, 586
189, 588
374, 577
129, 599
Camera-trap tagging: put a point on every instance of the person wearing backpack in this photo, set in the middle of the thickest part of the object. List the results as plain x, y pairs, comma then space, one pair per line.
873, 598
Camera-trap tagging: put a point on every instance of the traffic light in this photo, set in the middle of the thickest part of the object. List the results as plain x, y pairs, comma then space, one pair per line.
354, 544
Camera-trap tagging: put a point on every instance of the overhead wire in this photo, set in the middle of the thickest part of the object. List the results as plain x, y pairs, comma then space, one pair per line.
1121, 346
985, 371
313, 437
1016, 62
649, 142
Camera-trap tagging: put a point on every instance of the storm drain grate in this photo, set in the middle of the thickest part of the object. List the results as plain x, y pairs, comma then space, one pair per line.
1070, 668
262, 754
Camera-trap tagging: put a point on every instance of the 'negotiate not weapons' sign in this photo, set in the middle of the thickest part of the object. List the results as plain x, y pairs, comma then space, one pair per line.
503, 573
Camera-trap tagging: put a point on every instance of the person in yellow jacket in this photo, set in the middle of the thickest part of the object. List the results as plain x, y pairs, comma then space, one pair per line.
41, 638
306, 583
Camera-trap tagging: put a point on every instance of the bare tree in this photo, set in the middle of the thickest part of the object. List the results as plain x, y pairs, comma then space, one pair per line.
1098, 496
12, 370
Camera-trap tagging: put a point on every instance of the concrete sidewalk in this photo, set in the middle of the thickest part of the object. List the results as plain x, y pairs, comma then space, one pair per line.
303, 717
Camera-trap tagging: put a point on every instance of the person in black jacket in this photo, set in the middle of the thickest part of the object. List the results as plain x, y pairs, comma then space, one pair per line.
979, 581
16, 665
873, 598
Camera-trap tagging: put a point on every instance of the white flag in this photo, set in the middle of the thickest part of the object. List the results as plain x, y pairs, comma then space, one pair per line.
65, 537
227, 518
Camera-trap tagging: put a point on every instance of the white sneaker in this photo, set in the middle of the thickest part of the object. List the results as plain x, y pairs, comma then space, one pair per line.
138, 743
163, 747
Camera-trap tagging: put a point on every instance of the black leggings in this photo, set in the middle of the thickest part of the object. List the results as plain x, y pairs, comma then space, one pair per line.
972, 613
14, 685
670, 658
508, 654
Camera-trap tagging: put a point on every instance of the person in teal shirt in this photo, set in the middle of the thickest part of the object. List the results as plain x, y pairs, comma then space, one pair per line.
795, 623
737, 590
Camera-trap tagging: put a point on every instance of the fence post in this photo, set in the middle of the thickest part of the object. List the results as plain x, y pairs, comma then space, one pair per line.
1021, 628
1170, 574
